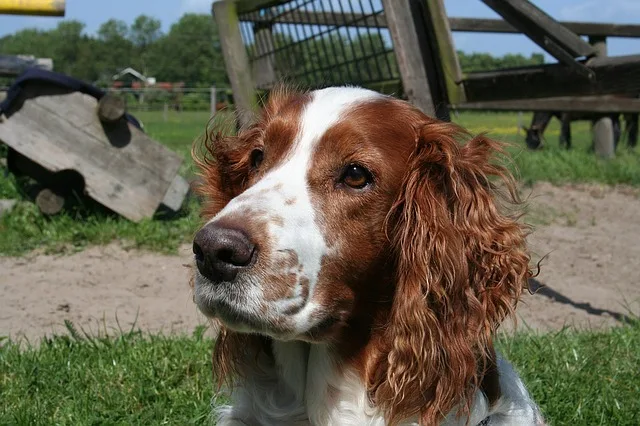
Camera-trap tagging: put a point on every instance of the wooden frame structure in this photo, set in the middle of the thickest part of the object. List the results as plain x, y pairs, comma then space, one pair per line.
584, 79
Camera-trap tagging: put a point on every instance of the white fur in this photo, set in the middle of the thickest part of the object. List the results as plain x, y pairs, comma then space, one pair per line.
295, 391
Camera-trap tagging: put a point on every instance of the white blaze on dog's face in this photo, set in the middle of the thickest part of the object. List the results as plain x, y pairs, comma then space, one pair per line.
309, 185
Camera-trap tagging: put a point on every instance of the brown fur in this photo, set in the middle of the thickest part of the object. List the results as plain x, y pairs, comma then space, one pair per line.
462, 265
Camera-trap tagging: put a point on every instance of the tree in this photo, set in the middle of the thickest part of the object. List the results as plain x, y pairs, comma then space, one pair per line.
144, 32
188, 53
114, 49
113, 29
474, 62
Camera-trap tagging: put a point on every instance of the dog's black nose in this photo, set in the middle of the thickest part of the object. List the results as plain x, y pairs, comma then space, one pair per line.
222, 252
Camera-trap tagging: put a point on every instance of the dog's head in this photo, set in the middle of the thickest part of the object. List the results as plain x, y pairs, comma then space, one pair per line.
343, 206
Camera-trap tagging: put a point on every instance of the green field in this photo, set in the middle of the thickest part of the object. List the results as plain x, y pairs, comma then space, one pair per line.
578, 378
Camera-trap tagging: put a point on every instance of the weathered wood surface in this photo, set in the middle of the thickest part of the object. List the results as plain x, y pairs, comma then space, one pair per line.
11, 66
111, 108
408, 54
175, 195
123, 168
608, 103
236, 60
33, 7
540, 27
614, 75
447, 53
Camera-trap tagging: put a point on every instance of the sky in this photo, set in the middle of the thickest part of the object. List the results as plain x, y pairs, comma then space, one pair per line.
94, 12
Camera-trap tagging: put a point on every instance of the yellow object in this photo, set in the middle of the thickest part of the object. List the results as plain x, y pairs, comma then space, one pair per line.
32, 7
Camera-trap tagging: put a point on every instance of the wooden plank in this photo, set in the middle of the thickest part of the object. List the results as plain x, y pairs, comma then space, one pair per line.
614, 75
408, 52
447, 51
580, 28
236, 60
11, 66
176, 193
541, 28
33, 7
123, 168
603, 104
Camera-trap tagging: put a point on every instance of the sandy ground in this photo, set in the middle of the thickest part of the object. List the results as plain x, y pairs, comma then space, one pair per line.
589, 278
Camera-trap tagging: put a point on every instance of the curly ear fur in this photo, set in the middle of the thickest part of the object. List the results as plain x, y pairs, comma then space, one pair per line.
461, 267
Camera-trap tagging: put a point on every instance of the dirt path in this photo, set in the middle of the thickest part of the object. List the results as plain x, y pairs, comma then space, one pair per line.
592, 235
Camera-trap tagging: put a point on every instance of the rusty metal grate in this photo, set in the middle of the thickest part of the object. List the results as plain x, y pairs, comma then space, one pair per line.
321, 42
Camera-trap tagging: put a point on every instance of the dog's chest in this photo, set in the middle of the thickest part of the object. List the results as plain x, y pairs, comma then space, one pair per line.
328, 394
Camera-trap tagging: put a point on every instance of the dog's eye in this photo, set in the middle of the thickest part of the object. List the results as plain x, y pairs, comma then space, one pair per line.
257, 155
356, 176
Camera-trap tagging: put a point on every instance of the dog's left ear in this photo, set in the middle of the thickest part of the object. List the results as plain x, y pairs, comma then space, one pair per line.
461, 267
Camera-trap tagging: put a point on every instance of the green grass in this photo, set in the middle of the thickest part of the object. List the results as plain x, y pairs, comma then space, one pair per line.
25, 229
578, 378
554, 164
127, 380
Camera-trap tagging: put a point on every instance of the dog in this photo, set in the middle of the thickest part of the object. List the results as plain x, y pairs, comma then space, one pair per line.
358, 262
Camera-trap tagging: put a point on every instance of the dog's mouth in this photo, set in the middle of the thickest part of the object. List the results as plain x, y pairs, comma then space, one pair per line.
242, 309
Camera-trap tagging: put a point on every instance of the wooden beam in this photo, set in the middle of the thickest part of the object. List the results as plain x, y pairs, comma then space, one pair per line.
447, 54
33, 7
581, 28
407, 34
11, 66
236, 60
541, 28
614, 75
472, 25
603, 104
